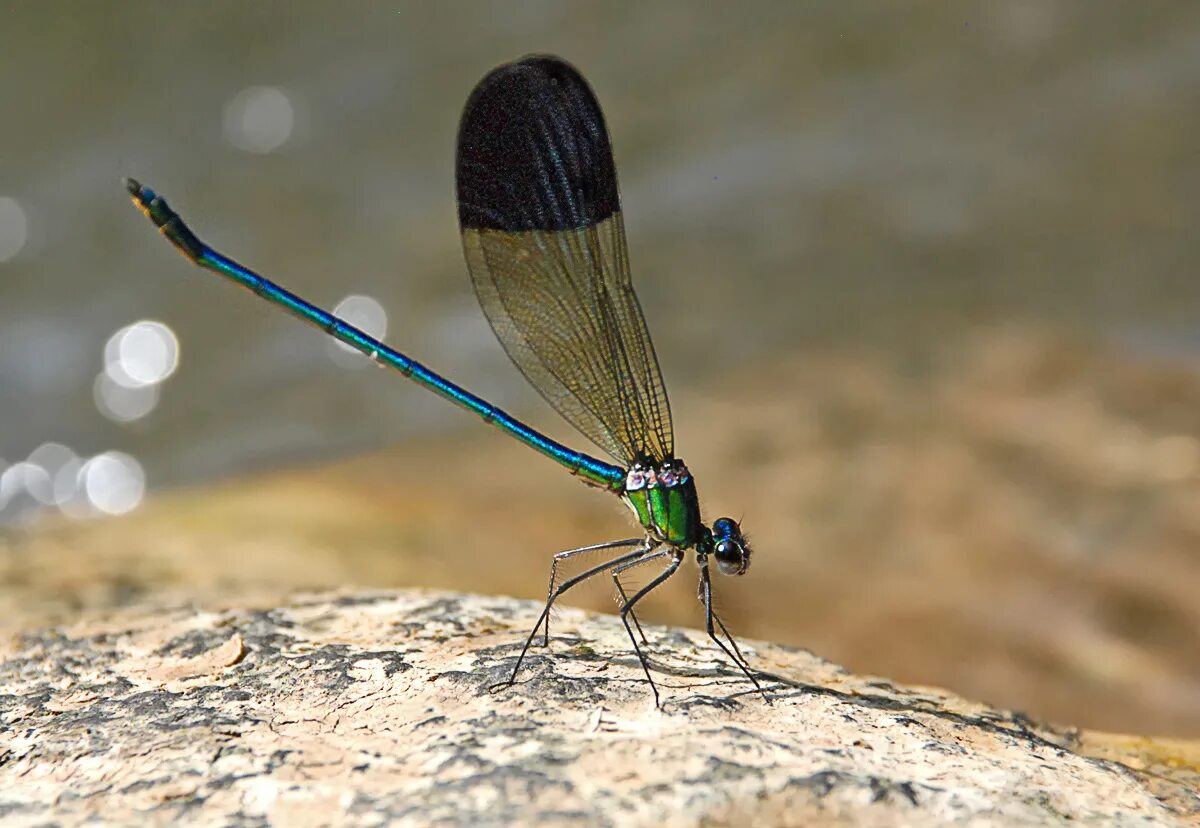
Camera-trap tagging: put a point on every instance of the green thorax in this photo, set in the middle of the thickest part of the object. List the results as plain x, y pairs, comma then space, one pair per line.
663, 497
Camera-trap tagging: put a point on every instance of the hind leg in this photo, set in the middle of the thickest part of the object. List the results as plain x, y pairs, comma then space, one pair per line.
567, 555
563, 587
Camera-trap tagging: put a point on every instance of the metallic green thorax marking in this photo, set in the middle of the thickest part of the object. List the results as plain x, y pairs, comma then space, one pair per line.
670, 513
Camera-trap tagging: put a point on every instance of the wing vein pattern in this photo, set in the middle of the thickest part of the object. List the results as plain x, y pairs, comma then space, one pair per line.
545, 245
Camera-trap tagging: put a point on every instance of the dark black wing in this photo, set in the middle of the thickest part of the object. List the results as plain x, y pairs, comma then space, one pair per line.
544, 241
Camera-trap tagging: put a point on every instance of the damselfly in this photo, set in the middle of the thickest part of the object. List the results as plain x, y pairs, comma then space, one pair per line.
542, 231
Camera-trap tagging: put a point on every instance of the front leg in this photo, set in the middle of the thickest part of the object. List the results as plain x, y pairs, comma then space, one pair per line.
705, 594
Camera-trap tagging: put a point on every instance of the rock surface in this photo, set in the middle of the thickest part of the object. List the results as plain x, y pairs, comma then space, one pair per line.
365, 708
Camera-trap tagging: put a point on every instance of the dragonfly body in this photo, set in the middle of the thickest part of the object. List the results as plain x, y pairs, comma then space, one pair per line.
543, 237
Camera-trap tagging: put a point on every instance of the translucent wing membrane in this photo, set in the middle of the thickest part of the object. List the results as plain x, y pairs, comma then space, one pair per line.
545, 245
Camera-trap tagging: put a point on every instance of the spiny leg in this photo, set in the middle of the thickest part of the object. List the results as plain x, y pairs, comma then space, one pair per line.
705, 596
625, 600
563, 587
731, 639
571, 553
616, 576
710, 616
676, 559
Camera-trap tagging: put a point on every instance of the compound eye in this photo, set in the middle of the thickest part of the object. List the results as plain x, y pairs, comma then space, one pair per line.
724, 527
731, 558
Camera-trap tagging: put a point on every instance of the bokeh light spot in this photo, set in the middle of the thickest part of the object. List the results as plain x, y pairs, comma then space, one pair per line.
5, 484
141, 354
121, 403
364, 313
66, 483
259, 119
29, 478
51, 457
14, 228
114, 482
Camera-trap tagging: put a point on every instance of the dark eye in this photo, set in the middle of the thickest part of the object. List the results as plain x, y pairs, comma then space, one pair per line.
730, 557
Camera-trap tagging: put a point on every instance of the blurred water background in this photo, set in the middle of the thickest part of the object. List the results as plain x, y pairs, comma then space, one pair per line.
874, 184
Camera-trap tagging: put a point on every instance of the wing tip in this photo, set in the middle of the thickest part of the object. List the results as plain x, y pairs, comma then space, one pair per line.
534, 151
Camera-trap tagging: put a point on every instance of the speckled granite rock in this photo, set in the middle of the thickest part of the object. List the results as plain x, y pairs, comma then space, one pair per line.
371, 708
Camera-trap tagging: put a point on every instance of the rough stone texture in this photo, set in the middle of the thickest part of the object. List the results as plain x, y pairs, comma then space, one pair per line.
365, 708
